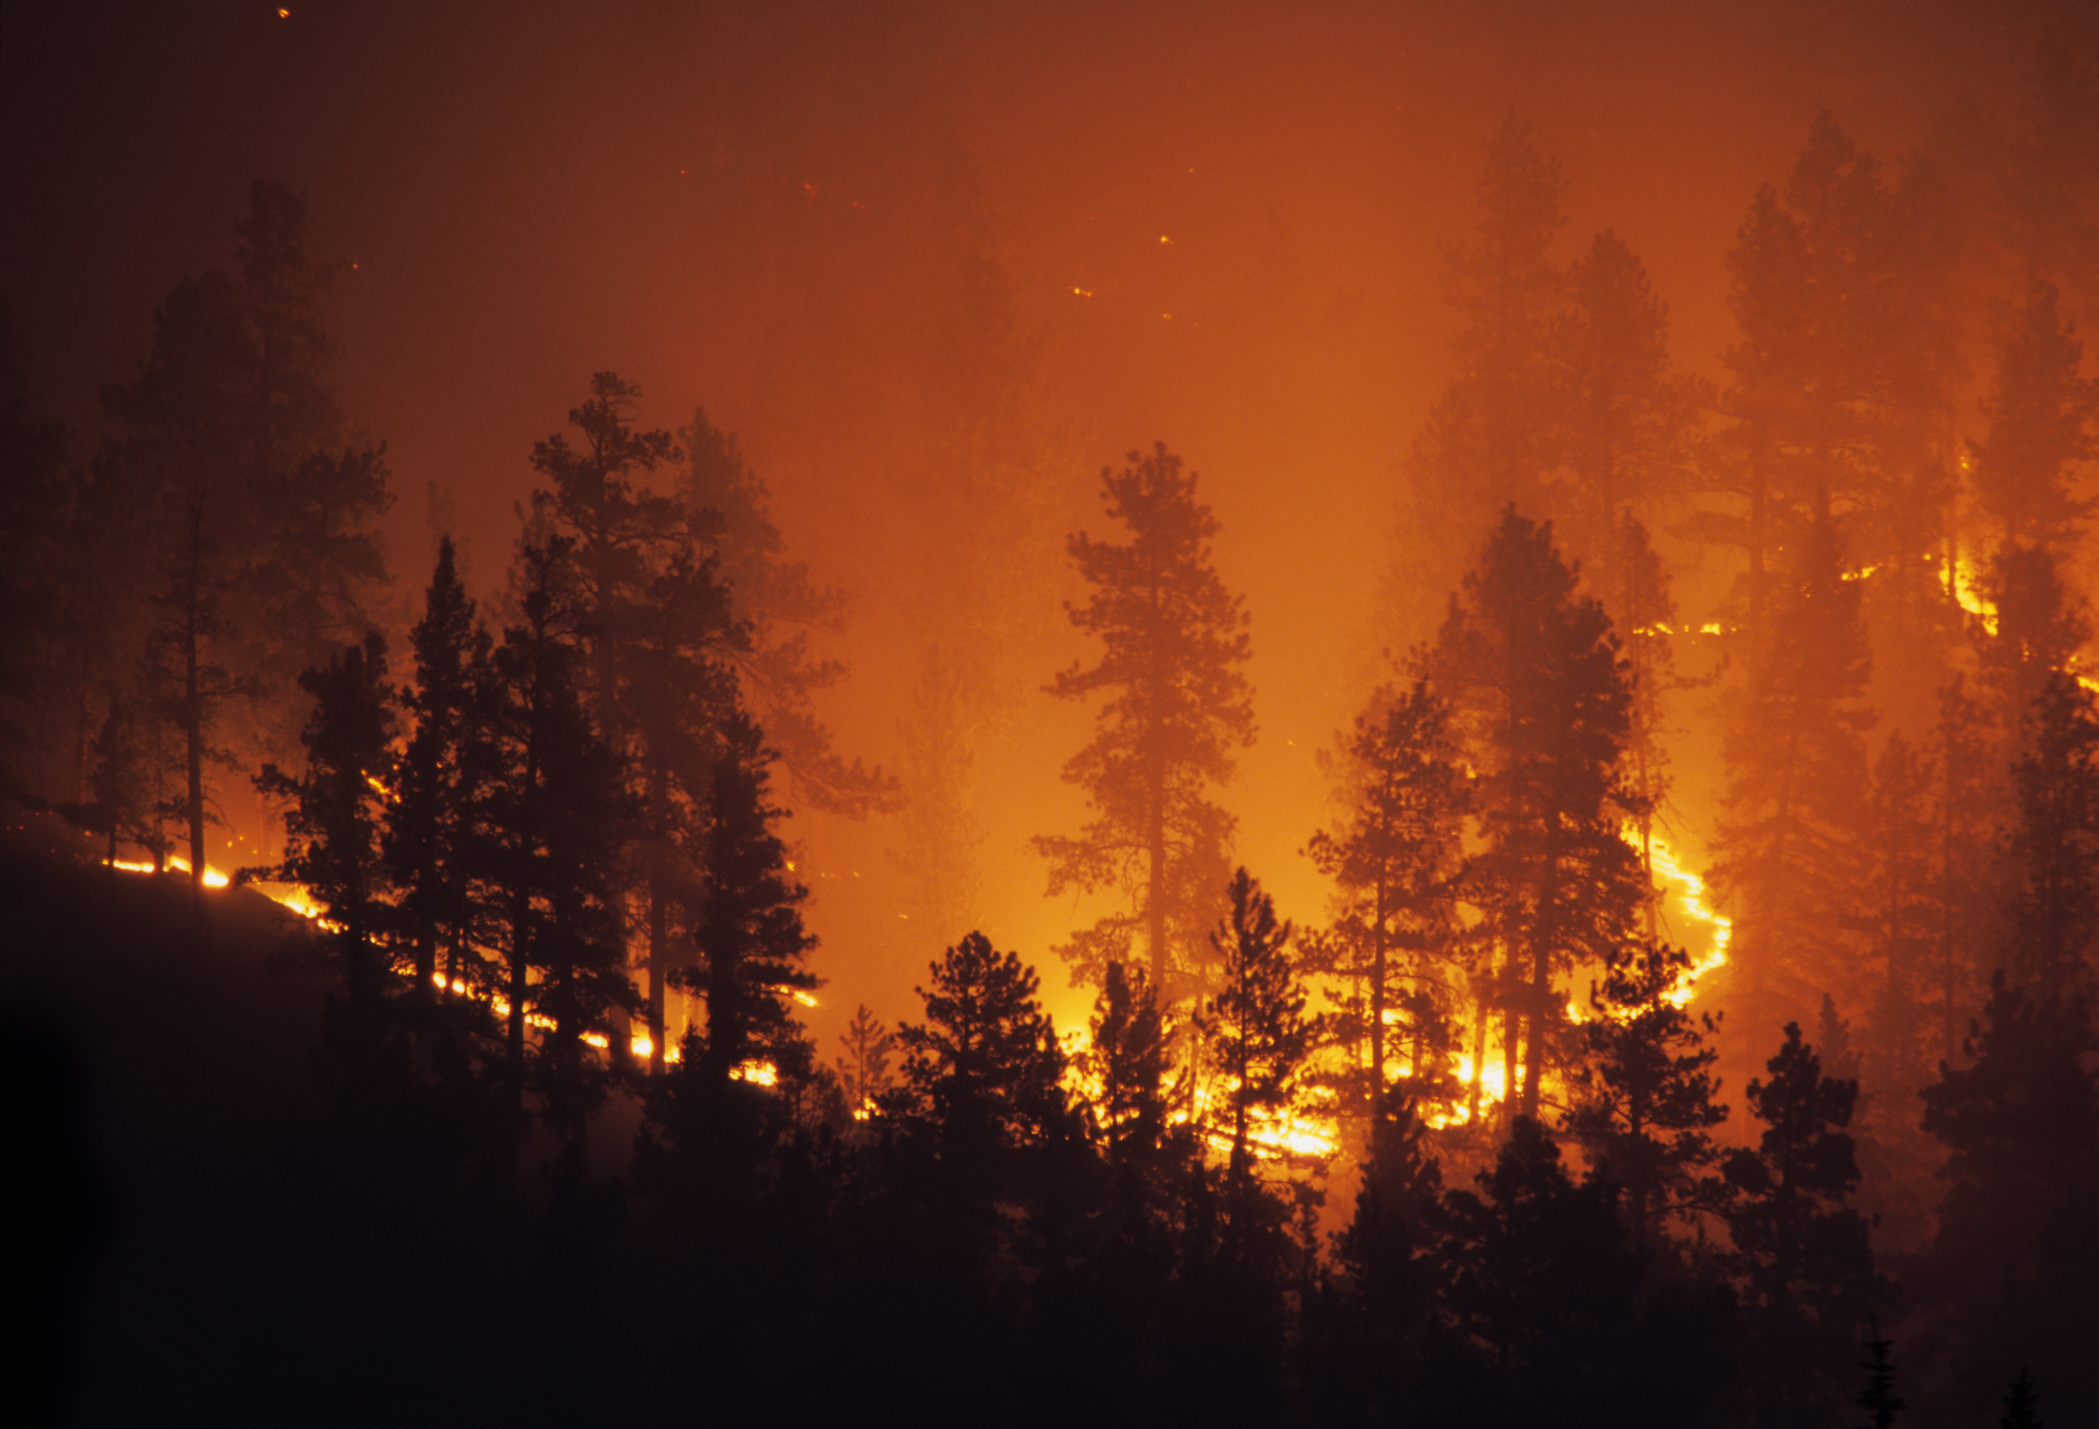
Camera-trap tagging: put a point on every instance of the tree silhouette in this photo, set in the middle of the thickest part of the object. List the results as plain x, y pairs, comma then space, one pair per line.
1644, 1103
747, 924
429, 834
555, 814
1838, 379
983, 1070
230, 437
1398, 859
1127, 1056
2053, 849
1255, 1022
1802, 1255
2020, 1125
1879, 1398
1534, 671
334, 827
2022, 1406
1173, 638
864, 1069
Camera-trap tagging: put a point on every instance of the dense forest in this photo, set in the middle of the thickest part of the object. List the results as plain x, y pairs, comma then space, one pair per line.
460, 938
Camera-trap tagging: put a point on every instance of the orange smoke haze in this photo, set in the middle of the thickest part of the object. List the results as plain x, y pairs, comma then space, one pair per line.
935, 266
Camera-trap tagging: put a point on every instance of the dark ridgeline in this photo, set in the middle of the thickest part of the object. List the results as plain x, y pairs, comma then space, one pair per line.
400, 1165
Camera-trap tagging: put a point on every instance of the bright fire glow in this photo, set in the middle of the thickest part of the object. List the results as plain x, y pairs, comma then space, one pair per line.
1690, 895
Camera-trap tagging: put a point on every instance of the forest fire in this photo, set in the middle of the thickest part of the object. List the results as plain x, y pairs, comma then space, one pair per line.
1515, 677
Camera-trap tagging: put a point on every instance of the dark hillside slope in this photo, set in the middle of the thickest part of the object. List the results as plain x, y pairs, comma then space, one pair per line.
157, 1062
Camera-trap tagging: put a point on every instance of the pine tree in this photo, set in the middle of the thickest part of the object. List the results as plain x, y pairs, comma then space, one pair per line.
1398, 860
863, 1071
1534, 671
1255, 1023
2053, 849
555, 813
1625, 420
1127, 1057
747, 924
1176, 708
428, 833
983, 1072
231, 437
191, 687
1969, 798
728, 507
1879, 1398
1789, 836
1543, 1283
1489, 439
678, 690
333, 829
1644, 1105
1838, 381
2042, 429
2022, 1408
1802, 1256
2041, 622
2011, 1269
622, 534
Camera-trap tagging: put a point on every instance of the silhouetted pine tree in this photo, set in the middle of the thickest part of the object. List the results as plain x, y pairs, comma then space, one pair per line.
863, 1072
334, 826
2041, 623
679, 697
2022, 1407
1375, 1337
1879, 1398
2018, 1239
1533, 669
1644, 1100
1127, 1056
555, 816
428, 828
1545, 1286
1177, 705
231, 437
1397, 857
2053, 850
747, 925
1802, 1257
1254, 1025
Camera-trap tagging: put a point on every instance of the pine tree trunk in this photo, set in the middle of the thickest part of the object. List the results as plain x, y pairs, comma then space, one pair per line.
193, 735
1377, 1009
659, 960
515, 1040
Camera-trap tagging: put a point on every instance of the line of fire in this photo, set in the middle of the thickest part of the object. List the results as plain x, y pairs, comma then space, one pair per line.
803, 714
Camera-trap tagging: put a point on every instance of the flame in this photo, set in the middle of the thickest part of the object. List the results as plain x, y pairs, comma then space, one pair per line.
1961, 578
1691, 898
